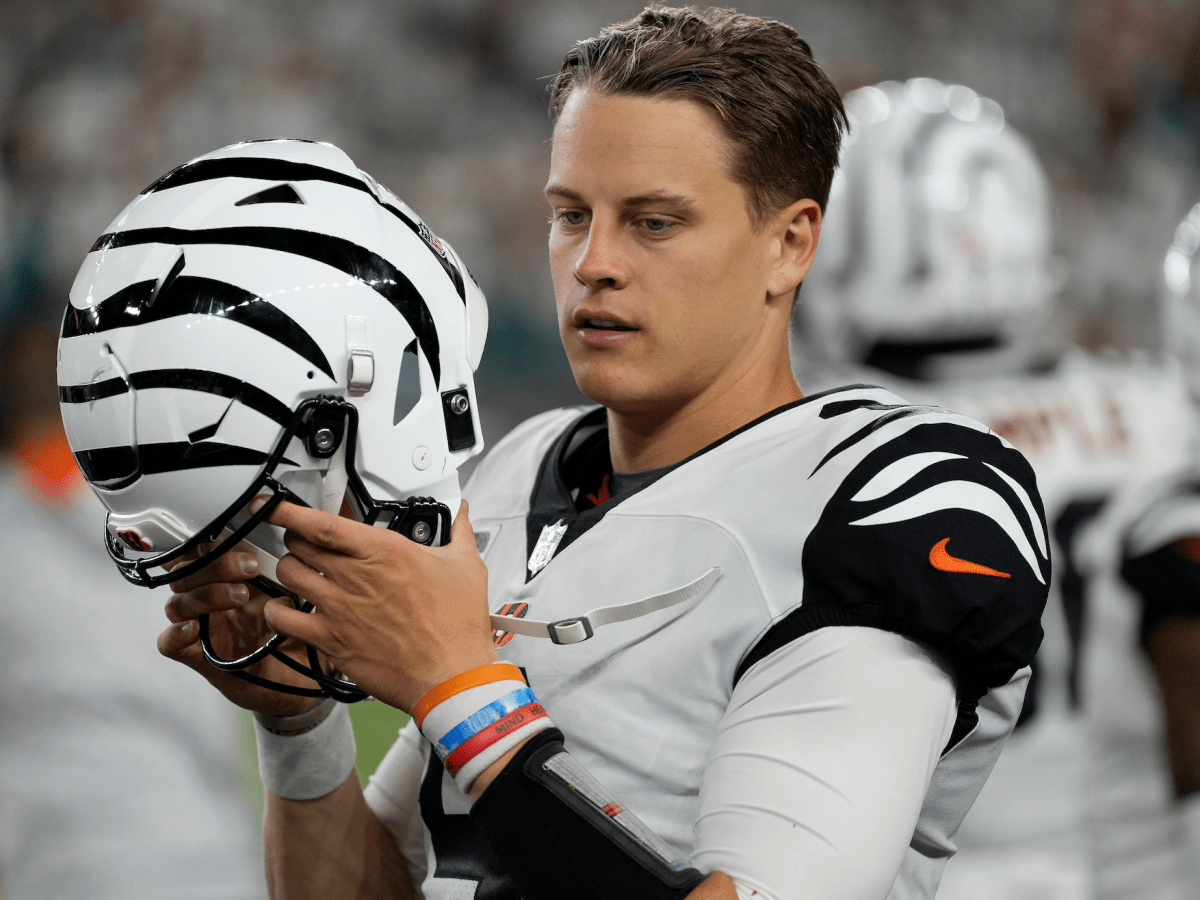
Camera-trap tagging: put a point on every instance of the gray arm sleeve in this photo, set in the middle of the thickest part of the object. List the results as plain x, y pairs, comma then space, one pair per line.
820, 767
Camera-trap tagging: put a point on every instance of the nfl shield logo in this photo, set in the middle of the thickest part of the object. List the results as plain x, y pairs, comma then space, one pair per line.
547, 543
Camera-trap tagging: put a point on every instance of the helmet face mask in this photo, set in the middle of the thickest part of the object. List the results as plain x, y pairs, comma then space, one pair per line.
268, 319
937, 230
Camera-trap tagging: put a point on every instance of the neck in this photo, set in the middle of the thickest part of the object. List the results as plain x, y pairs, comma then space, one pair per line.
649, 439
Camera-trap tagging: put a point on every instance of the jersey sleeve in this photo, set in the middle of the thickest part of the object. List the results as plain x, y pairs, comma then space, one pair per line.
796, 799
392, 793
937, 534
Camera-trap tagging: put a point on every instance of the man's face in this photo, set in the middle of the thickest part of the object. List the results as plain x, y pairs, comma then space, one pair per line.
660, 278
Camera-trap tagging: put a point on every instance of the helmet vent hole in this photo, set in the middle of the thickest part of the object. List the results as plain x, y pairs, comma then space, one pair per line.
310, 374
408, 386
281, 193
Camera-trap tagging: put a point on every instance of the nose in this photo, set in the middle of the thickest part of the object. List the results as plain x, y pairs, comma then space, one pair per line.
600, 263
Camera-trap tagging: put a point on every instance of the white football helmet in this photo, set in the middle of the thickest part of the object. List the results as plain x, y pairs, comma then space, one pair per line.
268, 319
1181, 298
938, 228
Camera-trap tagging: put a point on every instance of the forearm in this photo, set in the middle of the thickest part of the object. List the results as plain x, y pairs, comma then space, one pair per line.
322, 839
1173, 646
332, 847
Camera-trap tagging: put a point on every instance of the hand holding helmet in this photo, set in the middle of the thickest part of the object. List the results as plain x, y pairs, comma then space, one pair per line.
395, 616
266, 319
235, 614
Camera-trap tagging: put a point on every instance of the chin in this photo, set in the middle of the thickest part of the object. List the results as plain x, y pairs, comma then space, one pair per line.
625, 395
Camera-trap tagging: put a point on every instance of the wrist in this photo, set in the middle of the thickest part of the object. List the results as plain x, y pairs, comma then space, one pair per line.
448, 671
292, 725
305, 756
477, 719
488, 775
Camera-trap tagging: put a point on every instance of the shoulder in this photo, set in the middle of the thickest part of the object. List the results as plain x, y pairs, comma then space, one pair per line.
931, 526
863, 430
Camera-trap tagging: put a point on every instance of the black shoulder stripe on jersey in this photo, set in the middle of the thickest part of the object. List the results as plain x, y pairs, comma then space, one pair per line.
872, 426
357, 262
183, 379
117, 467
841, 407
285, 170
193, 295
937, 534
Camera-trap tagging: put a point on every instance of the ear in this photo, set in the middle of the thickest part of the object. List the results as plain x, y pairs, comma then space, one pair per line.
797, 229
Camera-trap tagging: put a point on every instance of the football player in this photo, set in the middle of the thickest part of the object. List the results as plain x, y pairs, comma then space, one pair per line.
745, 642
1142, 672
937, 279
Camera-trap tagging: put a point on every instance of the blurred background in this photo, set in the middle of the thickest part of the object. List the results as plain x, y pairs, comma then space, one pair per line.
444, 103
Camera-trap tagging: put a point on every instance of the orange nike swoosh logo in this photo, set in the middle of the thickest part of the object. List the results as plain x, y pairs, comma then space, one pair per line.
943, 561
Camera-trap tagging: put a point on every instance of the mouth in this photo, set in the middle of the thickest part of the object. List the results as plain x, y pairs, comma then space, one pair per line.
605, 325
599, 320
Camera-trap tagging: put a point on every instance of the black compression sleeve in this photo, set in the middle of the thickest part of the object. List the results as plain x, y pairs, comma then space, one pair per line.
557, 837
1168, 584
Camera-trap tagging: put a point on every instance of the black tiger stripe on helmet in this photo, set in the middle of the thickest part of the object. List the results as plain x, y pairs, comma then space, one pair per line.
358, 262
279, 170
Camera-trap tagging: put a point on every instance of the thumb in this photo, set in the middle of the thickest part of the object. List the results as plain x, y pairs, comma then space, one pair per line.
462, 531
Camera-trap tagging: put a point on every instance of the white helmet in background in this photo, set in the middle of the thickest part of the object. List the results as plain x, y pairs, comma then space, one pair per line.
268, 319
1181, 298
938, 228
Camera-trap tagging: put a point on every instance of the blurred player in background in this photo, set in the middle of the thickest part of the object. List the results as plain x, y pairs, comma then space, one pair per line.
1142, 671
119, 772
937, 279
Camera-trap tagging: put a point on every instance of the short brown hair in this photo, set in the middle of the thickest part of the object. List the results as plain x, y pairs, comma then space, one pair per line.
781, 114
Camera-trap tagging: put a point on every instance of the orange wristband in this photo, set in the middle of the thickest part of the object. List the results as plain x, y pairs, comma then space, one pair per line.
464, 682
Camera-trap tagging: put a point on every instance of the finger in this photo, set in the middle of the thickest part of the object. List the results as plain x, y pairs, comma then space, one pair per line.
177, 638
310, 554
285, 620
462, 533
300, 578
234, 565
318, 527
205, 599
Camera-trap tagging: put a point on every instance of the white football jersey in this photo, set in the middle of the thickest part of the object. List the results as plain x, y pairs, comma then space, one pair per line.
1090, 427
851, 509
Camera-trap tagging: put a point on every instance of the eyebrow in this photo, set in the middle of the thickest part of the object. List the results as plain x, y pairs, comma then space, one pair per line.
554, 191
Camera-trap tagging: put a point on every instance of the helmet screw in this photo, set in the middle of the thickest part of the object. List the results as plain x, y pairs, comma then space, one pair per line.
459, 404
421, 532
324, 439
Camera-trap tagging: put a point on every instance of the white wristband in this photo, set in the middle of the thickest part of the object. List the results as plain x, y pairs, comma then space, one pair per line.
306, 756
